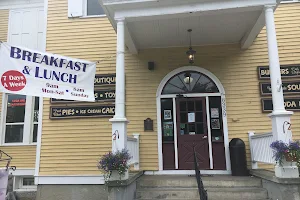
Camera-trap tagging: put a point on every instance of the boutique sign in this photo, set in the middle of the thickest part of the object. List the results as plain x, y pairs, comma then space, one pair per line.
29, 72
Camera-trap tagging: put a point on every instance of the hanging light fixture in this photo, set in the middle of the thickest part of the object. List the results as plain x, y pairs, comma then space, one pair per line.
191, 53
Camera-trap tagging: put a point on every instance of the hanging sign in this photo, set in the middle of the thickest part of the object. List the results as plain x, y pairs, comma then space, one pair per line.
291, 104
287, 71
105, 79
291, 87
30, 72
287, 87
60, 112
100, 96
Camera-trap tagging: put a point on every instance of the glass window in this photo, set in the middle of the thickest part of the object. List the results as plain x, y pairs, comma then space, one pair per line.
28, 181
190, 82
15, 116
94, 8
21, 121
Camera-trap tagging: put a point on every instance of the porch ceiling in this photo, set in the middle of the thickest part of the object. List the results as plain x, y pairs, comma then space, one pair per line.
164, 23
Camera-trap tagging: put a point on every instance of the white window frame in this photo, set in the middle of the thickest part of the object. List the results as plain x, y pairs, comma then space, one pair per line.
28, 122
85, 15
18, 184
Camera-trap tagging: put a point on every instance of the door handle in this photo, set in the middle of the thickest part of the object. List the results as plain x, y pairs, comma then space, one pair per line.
204, 137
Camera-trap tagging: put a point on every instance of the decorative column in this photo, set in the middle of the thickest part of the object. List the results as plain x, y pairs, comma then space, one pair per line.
119, 121
280, 117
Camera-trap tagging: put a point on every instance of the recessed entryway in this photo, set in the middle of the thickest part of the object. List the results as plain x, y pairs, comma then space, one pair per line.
192, 115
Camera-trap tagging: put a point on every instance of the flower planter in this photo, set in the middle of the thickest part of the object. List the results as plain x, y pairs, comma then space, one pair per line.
115, 176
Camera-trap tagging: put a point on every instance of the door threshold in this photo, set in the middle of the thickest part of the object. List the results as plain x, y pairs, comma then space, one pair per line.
187, 172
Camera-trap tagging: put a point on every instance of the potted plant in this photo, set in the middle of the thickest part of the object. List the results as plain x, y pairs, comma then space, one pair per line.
284, 152
115, 165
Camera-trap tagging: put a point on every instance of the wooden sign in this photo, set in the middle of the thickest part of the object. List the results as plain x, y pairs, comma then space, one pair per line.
64, 112
104, 79
288, 87
100, 96
287, 71
291, 104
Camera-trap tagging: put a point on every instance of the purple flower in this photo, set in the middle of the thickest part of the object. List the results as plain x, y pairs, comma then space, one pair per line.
115, 161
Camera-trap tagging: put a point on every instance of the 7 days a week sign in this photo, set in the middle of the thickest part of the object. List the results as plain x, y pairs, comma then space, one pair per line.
29, 72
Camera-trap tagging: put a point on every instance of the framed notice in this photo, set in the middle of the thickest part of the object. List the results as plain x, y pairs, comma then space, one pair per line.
167, 114
215, 124
168, 129
214, 113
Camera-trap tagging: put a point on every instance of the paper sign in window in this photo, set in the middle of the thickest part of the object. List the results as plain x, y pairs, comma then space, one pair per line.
191, 117
214, 112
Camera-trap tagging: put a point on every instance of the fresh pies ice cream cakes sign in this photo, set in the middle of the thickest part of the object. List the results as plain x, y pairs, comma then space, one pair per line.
29, 72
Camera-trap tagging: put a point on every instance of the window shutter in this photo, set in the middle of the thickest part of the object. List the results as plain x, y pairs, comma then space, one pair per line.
75, 8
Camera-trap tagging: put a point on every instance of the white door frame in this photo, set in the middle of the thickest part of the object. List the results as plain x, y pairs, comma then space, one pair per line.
159, 96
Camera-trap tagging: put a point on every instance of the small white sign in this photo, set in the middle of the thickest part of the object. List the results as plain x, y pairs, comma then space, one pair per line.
214, 112
191, 117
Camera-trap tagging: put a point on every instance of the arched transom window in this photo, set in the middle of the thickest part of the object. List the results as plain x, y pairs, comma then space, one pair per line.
190, 82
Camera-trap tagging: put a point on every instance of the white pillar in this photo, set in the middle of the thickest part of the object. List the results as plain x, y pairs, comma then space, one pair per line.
119, 121
280, 117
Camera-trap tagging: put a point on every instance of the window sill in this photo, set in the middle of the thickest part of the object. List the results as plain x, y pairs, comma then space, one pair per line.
93, 16
17, 144
33, 189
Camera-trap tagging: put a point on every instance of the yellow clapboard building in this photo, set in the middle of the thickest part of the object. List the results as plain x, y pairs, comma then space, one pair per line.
152, 93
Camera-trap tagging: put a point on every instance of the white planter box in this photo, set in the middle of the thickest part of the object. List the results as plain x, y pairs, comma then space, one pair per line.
116, 177
287, 170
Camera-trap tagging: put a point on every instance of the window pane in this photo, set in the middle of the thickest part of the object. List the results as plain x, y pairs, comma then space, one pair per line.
190, 82
36, 109
15, 108
35, 130
14, 133
94, 8
28, 181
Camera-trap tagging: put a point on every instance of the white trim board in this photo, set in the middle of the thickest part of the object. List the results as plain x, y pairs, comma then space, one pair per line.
22, 172
41, 103
69, 180
187, 172
8, 4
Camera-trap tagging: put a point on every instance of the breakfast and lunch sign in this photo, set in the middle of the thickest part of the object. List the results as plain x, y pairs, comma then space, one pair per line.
290, 86
29, 72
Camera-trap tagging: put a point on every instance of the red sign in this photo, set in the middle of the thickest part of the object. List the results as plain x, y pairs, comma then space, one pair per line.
13, 80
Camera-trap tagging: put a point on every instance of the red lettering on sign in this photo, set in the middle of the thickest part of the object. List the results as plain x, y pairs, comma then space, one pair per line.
13, 80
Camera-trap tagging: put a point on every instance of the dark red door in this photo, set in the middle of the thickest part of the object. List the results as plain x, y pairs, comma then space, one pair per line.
192, 132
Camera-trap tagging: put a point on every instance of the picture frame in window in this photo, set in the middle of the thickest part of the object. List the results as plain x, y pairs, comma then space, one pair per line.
167, 114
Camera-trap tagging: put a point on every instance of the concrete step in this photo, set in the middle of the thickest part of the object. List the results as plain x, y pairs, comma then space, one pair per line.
187, 181
213, 193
